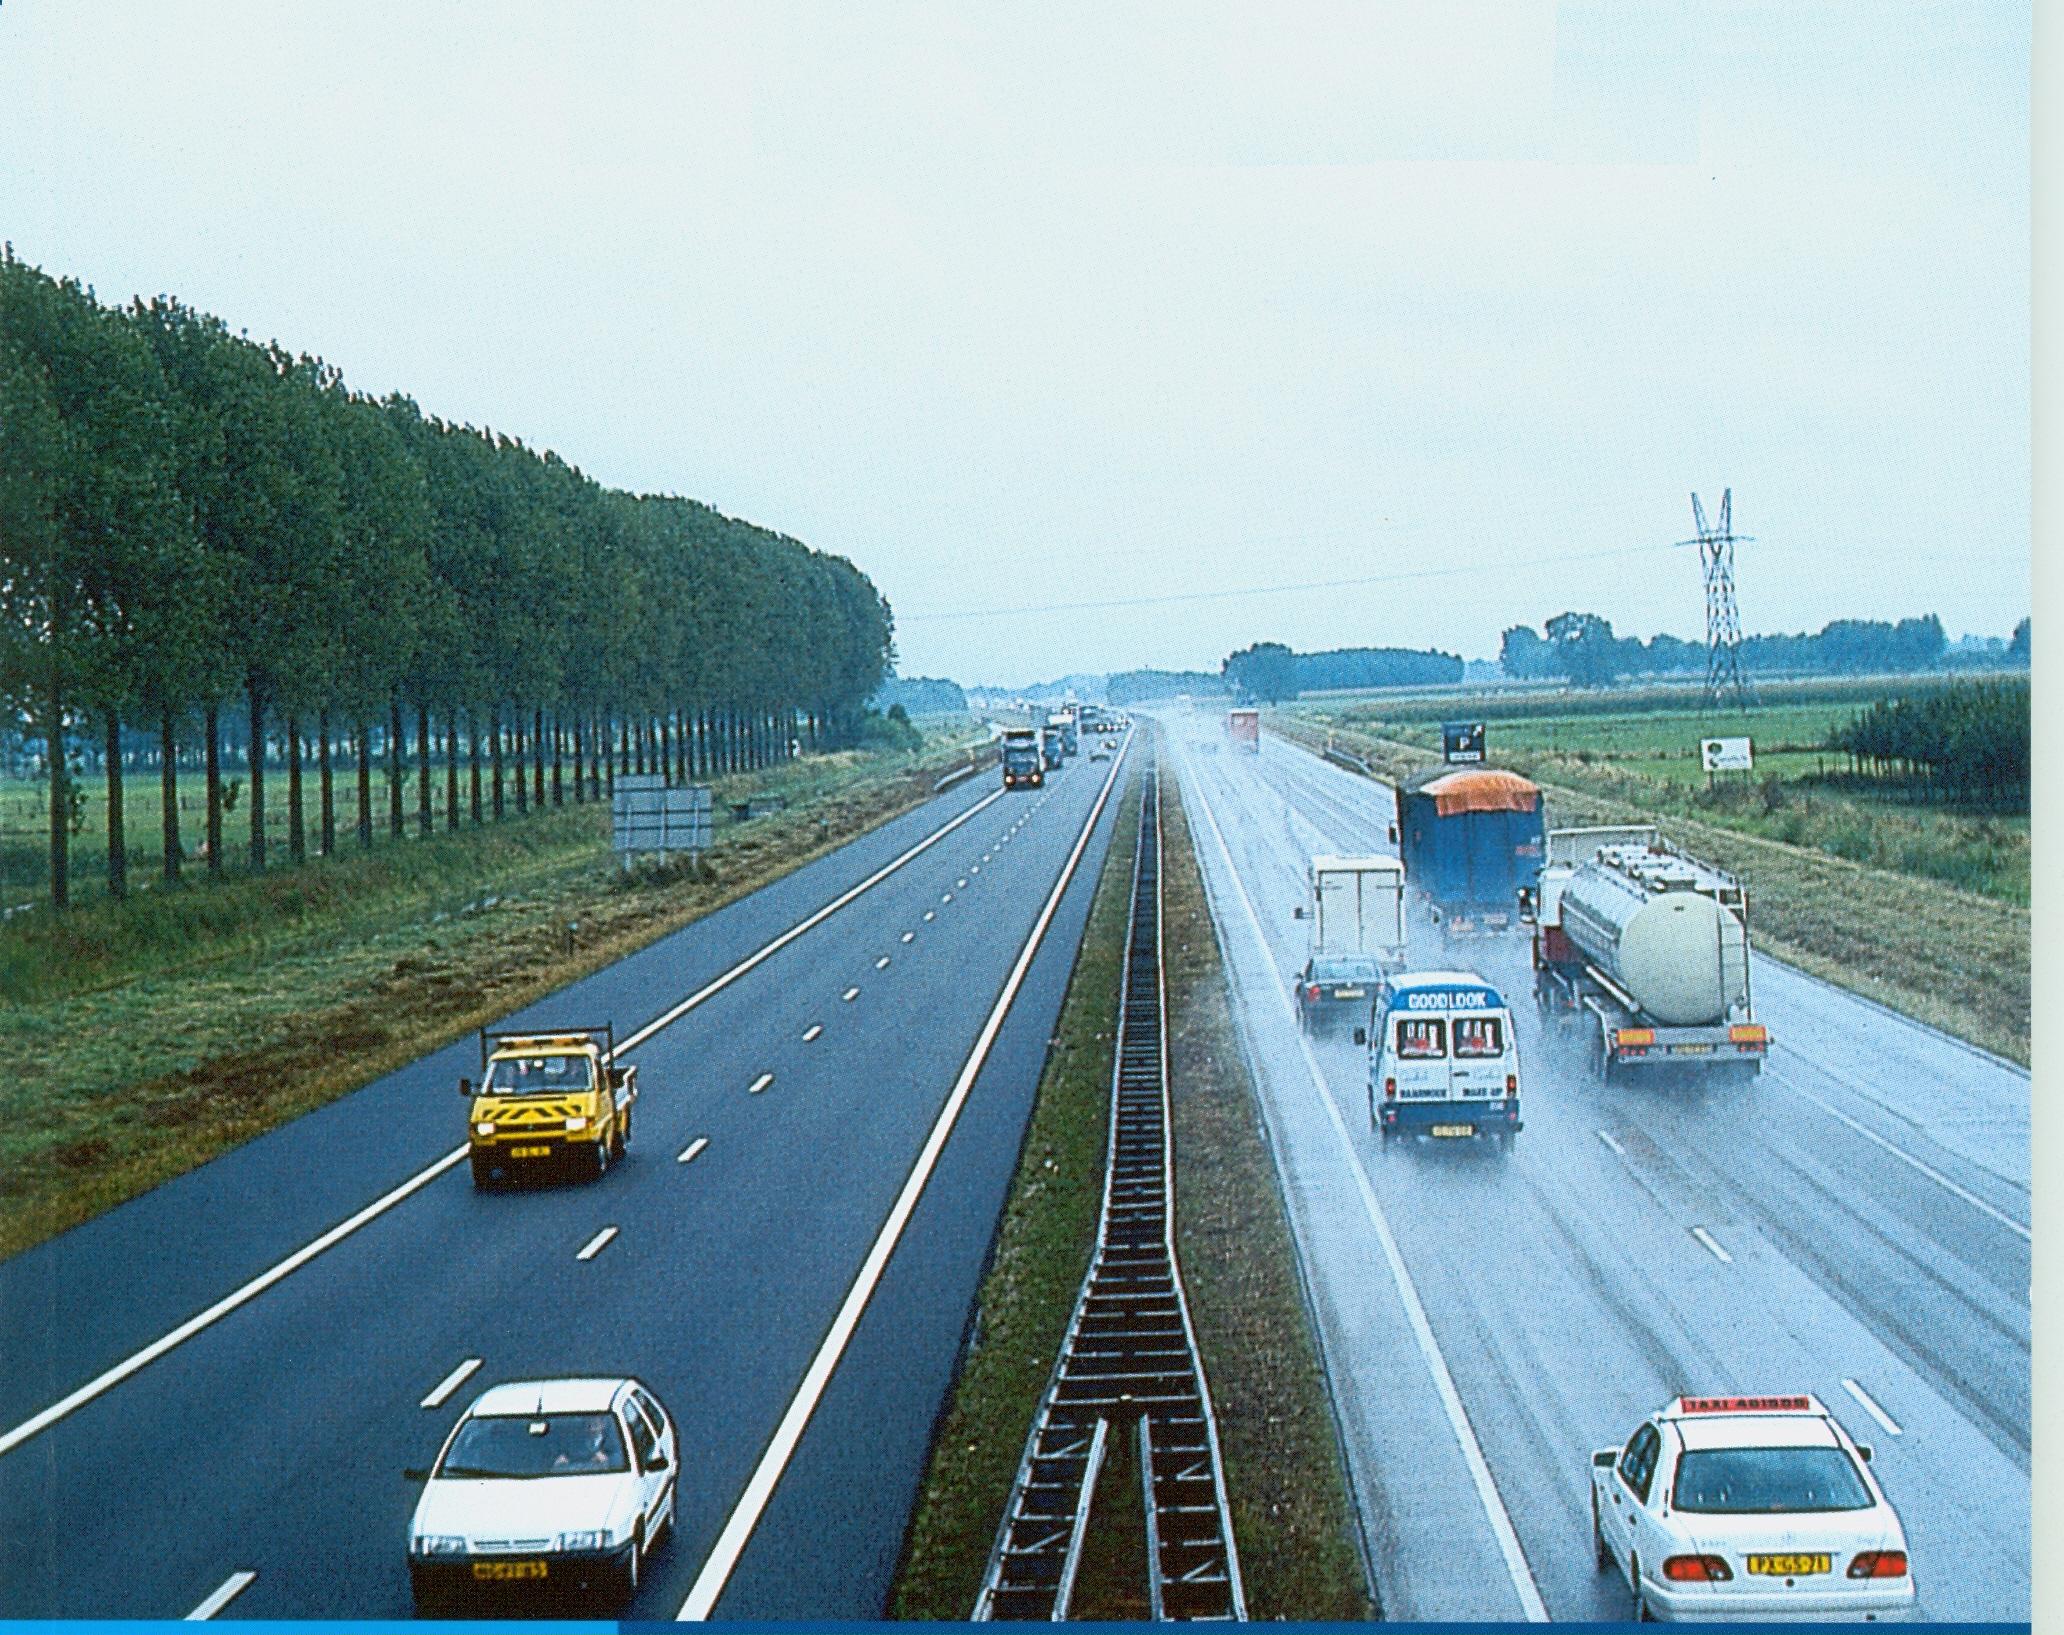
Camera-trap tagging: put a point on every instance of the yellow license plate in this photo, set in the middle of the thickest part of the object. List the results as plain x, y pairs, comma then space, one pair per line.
530, 1152
1790, 1566
501, 1572
1454, 1129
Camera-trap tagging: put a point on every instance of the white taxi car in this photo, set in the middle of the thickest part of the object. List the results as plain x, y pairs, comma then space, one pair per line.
546, 1486
1748, 1508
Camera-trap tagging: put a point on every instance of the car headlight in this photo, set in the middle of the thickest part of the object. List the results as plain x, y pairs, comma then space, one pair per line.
440, 1544
589, 1539
576, 1123
484, 1127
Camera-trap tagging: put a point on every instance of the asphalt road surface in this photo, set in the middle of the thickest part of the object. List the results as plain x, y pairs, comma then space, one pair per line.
153, 1448
1854, 1223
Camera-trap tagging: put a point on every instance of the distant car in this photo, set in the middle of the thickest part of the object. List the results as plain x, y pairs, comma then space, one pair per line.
544, 1487
1336, 987
1748, 1508
1102, 752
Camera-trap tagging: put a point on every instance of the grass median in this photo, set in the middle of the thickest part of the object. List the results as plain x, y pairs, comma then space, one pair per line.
150, 1036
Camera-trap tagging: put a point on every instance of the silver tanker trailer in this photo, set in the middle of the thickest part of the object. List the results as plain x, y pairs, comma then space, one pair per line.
1651, 946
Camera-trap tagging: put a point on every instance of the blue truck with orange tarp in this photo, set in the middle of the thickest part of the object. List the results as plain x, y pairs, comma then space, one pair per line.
1470, 837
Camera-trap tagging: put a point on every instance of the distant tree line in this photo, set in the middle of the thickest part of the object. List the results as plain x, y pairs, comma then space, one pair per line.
919, 695
1583, 649
1964, 742
1137, 686
193, 524
1270, 672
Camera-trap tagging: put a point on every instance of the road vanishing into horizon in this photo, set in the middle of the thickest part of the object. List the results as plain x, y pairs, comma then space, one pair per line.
1854, 1222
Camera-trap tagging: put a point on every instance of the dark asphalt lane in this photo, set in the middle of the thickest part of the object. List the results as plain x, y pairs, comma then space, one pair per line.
1869, 1193
273, 1440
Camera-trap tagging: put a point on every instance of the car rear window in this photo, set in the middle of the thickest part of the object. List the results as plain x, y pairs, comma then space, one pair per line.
1345, 970
516, 1445
1479, 1036
1421, 1037
1760, 1481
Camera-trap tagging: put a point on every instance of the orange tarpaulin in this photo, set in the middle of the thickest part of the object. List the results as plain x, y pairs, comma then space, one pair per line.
1485, 790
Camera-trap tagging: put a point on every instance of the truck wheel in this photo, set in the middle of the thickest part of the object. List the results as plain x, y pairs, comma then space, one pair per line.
483, 1171
599, 1163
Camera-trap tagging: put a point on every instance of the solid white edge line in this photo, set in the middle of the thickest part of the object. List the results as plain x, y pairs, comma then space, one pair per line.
693, 1147
788, 1434
1408, 1294
231, 1587
1870, 1407
450, 1383
759, 1084
129, 1365
597, 1244
1906, 1157
1713, 1244
812, 1031
1610, 1142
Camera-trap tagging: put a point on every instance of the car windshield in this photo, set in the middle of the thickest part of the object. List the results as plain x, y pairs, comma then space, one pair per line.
520, 1445
1344, 970
1757, 1481
538, 1075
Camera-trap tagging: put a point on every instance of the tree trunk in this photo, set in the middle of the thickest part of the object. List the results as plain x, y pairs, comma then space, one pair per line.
558, 761
362, 738
397, 769
522, 772
255, 758
168, 793
495, 749
60, 800
473, 758
326, 779
451, 771
537, 758
426, 823
580, 766
211, 755
117, 841
297, 830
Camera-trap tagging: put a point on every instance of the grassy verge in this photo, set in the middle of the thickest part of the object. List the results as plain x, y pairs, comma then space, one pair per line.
1291, 1512
1948, 957
142, 1052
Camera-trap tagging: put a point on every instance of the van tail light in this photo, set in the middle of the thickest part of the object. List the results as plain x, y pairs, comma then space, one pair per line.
1701, 1570
1511, 1084
1879, 1564
1311, 993
1390, 1087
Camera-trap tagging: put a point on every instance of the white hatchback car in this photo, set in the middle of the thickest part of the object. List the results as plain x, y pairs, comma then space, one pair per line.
1748, 1508
546, 1485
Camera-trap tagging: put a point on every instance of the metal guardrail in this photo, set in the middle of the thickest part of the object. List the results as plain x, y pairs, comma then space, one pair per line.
1340, 757
1129, 1364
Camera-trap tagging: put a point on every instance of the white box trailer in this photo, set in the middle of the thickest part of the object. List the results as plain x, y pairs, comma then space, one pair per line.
1358, 907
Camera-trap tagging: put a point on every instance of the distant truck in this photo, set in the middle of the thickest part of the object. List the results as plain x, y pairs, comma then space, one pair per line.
1443, 1061
548, 1102
1357, 913
1243, 730
1024, 767
1052, 751
1064, 724
1470, 838
1650, 946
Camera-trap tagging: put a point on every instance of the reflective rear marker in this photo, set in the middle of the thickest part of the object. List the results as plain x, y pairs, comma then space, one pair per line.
694, 1147
812, 1031
232, 1587
1706, 1238
450, 1383
1871, 1408
597, 1244
759, 1084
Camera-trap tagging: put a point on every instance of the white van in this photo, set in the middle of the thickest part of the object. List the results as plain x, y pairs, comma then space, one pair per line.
1442, 1058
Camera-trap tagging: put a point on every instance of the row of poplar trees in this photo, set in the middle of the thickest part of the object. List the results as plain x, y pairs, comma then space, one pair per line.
196, 528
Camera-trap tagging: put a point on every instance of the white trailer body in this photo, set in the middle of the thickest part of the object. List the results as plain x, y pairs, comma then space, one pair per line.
1358, 907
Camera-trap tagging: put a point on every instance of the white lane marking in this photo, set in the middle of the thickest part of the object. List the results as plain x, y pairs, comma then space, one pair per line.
947, 897
232, 1587
931, 913
985, 857
1871, 1408
850, 995
597, 1244
882, 964
223, 1307
812, 1031
450, 1383
910, 936
752, 1503
961, 883
1610, 1142
149, 1354
1408, 1294
1908, 1158
693, 1147
974, 868
1713, 1244
759, 1084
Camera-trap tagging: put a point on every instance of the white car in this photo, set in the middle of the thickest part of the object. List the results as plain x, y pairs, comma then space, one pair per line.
546, 1485
1748, 1508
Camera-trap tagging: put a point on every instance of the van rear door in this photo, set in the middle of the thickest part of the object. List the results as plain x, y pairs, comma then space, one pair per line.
1477, 1066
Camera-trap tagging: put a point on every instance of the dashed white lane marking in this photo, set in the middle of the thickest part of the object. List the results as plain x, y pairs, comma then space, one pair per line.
716, 1568
931, 913
961, 883
850, 995
597, 1244
232, 1587
450, 1383
1871, 1408
882, 964
1495, 1513
945, 897
1713, 1244
910, 936
1610, 1142
974, 868
759, 1084
812, 1031
688, 1153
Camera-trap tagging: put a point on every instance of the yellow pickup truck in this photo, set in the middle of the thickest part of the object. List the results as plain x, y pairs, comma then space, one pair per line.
548, 1102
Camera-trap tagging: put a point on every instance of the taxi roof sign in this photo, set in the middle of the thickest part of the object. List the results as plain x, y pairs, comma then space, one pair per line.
1747, 1405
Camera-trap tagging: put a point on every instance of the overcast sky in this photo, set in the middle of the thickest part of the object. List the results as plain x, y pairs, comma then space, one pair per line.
1051, 304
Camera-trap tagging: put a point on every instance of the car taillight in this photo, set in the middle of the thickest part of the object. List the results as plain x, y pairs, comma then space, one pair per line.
1698, 1570
1312, 993
1879, 1564
1390, 1087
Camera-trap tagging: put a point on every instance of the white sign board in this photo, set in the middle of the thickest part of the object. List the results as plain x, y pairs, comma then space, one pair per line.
1725, 754
648, 818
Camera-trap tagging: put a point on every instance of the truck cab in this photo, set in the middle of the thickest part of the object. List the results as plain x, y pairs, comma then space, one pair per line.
1023, 765
1443, 1061
548, 1102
